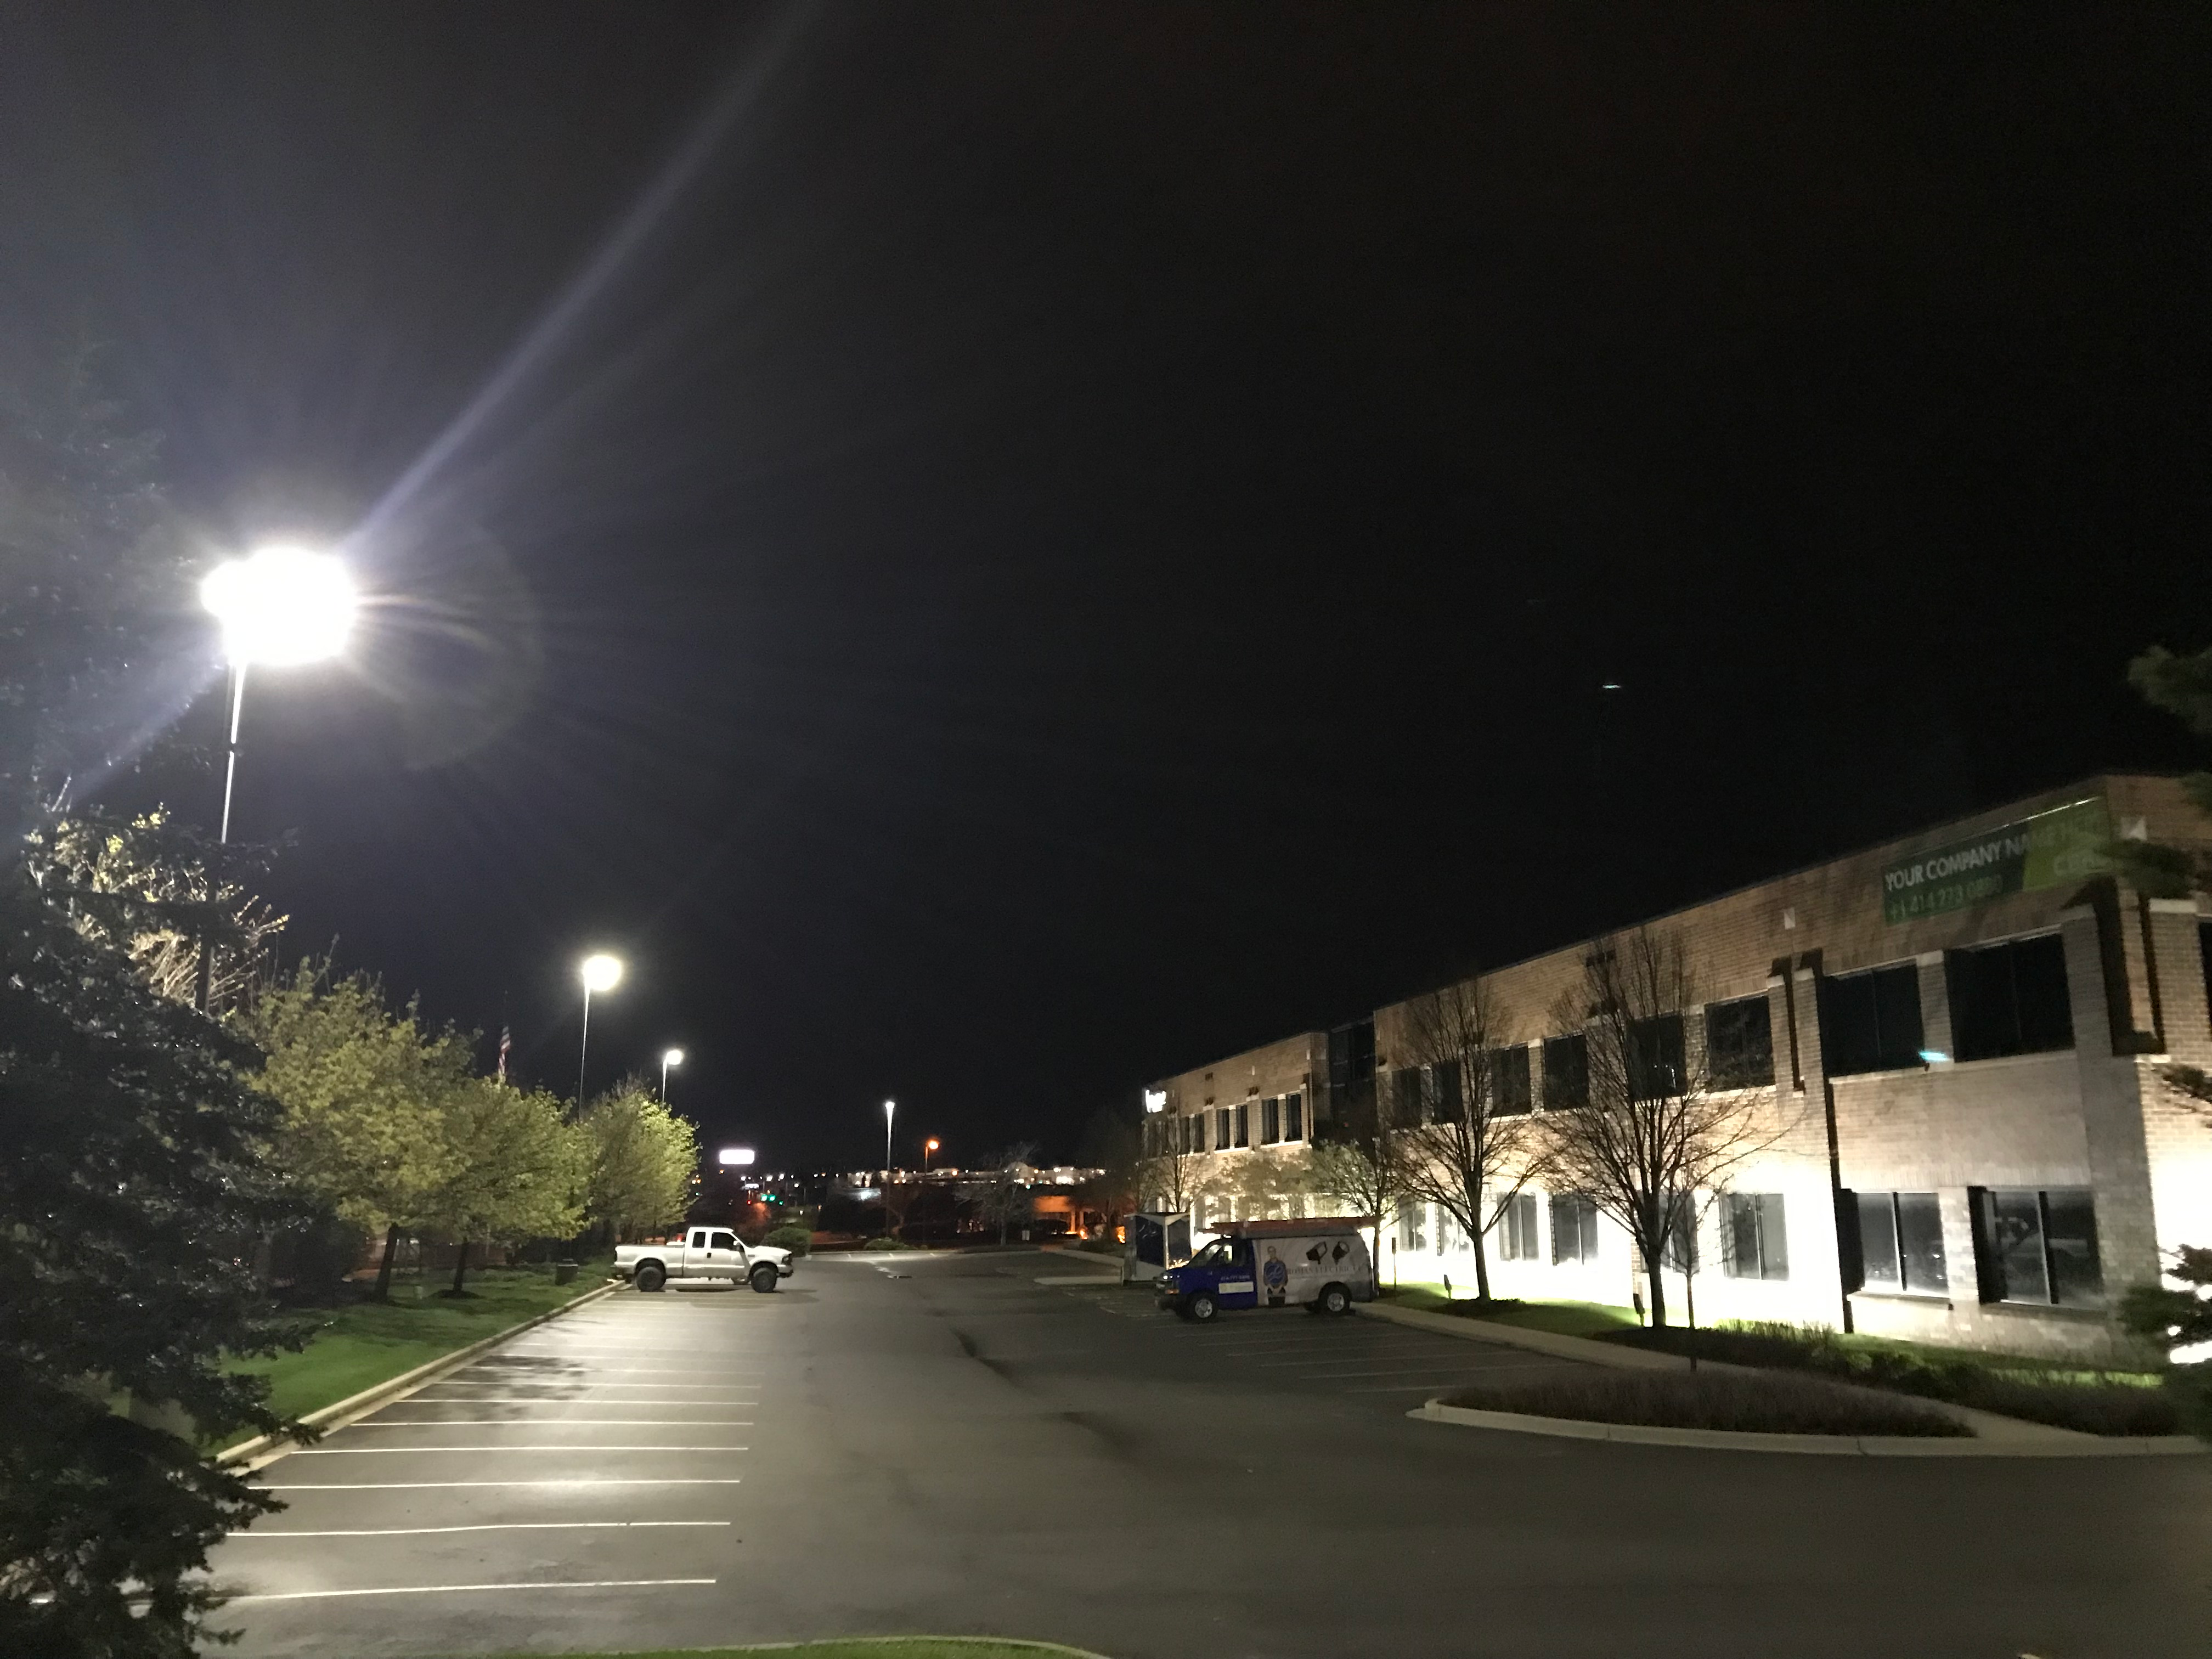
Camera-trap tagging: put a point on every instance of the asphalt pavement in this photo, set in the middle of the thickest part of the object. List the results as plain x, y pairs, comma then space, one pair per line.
945, 1445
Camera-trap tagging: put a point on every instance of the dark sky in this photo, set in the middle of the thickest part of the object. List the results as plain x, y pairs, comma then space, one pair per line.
996, 553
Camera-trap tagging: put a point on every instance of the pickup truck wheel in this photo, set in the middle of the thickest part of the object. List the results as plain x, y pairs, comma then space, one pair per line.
1200, 1307
762, 1277
1334, 1299
651, 1277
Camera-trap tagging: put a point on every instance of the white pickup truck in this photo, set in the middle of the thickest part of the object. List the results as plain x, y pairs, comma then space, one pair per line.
702, 1253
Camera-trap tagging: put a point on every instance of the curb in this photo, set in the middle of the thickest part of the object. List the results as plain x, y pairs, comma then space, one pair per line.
1833, 1445
265, 1450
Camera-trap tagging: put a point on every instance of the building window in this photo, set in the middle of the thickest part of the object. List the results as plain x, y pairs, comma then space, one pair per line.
1740, 1044
1516, 1229
1194, 1139
1444, 1098
1243, 1109
2009, 999
1406, 1098
1508, 1081
1755, 1242
1294, 1117
1271, 1121
1412, 1227
1680, 1251
1566, 1071
1574, 1228
1870, 1022
2038, 1247
1447, 1232
1901, 1243
1654, 1056
1221, 1128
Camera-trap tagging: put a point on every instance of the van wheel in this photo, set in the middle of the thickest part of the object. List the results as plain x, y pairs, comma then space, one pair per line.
1334, 1299
762, 1277
651, 1277
1200, 1308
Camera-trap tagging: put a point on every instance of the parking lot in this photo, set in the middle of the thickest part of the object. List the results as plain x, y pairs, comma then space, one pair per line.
946, 1444
597, 1456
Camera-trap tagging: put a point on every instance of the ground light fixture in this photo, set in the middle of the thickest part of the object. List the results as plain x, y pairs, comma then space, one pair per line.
669, 1057
598, 972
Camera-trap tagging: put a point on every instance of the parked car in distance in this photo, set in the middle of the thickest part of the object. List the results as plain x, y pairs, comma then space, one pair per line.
1321, 1266
702, 1253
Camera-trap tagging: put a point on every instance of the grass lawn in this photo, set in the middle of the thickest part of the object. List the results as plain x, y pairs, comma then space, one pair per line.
887, 1647
361, 1345
1560, 1318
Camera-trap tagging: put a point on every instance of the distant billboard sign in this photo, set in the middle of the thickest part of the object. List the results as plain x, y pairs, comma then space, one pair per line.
734, 1157
2066, 843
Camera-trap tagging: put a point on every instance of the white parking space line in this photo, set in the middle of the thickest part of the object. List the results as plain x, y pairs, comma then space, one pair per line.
436, 1485
455, 1590
627, 1370
557, 1399
1404, 1370
512, 1383
553, 1422
483, 1526
396, 1451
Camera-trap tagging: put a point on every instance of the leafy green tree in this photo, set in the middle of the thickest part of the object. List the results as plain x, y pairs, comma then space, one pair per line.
518, 1169
642, 1159
130, 1181
366, 1098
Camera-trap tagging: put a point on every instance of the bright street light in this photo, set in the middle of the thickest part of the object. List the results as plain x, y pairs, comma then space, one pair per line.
280, 607
890, 1107
928, 1147
669, 1057
599, 972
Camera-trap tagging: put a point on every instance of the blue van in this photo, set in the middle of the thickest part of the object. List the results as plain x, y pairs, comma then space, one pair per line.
1321, 1266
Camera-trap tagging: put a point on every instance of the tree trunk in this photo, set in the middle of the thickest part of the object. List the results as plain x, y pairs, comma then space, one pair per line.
461, 1269
1481, 1268
384, 1267
1690, 1302
1654, 1274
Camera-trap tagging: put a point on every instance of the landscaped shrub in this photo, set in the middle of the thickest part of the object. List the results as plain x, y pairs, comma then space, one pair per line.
796, 1239
886, 1244
1772, 1404
2092, 1402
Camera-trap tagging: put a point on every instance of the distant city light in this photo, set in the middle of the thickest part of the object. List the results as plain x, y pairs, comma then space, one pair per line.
734, 1157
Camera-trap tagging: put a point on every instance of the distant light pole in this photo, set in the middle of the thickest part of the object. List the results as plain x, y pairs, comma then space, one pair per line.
928, 1147
281, 607
599, 972
890, 1108
669, 1057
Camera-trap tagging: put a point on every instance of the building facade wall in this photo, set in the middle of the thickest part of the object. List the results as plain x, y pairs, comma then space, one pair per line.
2096, 1115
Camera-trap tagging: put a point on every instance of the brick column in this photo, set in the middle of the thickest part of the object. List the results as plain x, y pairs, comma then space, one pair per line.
2111, 1111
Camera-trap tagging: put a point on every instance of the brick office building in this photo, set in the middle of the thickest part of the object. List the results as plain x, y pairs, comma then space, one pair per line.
1956, 1038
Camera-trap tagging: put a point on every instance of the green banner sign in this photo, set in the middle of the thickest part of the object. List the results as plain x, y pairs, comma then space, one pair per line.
2065, 844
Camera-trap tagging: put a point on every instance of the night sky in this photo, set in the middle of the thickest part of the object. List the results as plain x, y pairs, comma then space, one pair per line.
996, 553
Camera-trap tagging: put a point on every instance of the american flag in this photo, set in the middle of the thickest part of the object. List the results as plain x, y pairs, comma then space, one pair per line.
506, 1041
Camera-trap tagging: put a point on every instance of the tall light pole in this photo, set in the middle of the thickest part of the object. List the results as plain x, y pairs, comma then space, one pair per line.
599, 972
281, 607
668, 1057
890, 1108
928, 1147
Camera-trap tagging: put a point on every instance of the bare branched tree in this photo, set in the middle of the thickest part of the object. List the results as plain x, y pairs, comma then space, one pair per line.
1353, 1159
1173, 1175
1467, 1142
1658, 1126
